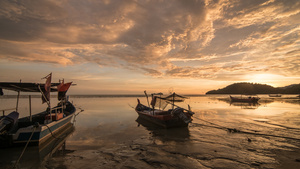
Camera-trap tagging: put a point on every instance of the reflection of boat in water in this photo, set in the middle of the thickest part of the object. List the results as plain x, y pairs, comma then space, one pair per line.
275, 95
244, 105
249, 99
164, 134
175, 117
36, 128
35, 156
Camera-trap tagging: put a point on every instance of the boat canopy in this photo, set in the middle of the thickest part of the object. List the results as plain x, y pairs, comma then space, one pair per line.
175, 97
162, 102
26, 87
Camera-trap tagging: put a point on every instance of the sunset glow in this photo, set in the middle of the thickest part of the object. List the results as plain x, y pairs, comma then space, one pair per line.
126, 47
271, 79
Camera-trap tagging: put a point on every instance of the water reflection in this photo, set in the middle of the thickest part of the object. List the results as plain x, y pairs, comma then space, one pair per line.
262, 102
172, 134
35, 156
245, 105
107, 136
242, 105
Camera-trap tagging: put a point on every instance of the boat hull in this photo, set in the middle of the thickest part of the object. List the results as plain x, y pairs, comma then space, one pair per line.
39, 129
166, 119
171, 123
41, 133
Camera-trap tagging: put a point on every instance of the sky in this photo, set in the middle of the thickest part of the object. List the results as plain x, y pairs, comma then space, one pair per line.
128, 46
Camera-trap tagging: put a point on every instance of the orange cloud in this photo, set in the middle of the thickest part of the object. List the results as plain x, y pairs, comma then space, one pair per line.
192, 39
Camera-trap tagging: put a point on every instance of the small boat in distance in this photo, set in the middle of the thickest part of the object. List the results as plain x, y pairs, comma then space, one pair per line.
37, 128
249, 99
274, 95
171, 118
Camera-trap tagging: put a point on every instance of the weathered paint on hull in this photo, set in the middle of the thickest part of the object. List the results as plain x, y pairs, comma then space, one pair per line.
42, 133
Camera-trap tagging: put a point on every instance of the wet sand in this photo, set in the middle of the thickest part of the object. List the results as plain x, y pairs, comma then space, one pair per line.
161, 150
108, 134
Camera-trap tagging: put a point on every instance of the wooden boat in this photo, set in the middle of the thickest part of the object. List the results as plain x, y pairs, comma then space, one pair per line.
274, 95
175, 117
36, 128
249, 99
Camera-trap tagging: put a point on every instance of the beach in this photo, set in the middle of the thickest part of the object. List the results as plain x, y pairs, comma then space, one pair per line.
109, 134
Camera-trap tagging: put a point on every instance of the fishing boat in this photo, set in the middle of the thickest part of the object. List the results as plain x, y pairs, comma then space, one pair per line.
171, 118
249, 99
274, 95
36, 128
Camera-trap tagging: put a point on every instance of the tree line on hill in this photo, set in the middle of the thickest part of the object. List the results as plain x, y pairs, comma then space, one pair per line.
255, 88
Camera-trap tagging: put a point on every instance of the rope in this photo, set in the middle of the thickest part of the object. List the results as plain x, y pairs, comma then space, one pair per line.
34, 128
233, 130
56, 140
81, 110
131, 106
219, 126
50, 131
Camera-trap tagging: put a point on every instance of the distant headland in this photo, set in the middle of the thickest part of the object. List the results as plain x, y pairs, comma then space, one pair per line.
255, 88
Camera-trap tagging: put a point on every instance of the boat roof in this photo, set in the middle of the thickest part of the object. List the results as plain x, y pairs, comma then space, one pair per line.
175, 95
26, 87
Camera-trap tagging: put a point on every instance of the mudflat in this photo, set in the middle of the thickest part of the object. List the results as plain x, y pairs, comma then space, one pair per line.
108, 134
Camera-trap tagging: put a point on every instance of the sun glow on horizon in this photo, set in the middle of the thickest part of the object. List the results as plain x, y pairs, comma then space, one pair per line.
270, 79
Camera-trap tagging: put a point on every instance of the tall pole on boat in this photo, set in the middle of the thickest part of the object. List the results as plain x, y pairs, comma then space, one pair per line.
173, 100
18, 97
147, 98
160, 100
48, 101
30, 116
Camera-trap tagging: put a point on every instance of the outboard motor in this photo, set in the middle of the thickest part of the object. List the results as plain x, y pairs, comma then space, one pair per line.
8, 122
179, 112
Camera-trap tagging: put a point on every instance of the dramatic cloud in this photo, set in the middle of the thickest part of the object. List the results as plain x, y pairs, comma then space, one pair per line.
208, 39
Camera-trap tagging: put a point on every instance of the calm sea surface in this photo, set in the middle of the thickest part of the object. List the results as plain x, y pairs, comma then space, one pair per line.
108, 134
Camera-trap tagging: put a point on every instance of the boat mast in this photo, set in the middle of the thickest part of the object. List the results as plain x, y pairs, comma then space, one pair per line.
160, 100
147, 98
30, 116
173, 100
48, 101
18, 97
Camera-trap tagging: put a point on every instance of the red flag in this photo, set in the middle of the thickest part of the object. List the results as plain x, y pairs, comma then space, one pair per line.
153, 102
61, 84
62, 89
47, 87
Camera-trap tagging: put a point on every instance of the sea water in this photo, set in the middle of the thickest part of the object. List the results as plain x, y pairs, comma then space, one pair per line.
107, 134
